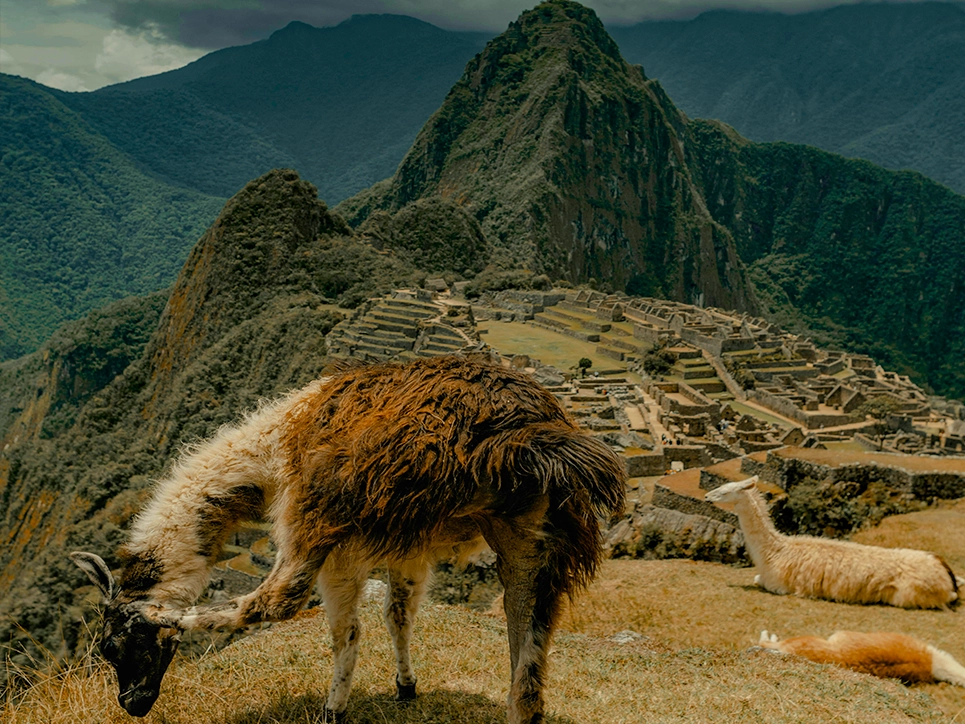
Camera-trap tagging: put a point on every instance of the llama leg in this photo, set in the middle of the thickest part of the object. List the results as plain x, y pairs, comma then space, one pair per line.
341, 582
407, 586
531, 601
279, 597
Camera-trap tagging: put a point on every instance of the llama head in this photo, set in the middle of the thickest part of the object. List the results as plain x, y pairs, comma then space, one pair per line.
138, 649
731, 492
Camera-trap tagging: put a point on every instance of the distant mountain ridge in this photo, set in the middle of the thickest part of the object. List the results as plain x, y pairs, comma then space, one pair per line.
341, 104
82, 224
879, 81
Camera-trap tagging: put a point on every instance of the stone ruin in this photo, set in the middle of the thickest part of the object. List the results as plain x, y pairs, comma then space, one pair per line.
740, 397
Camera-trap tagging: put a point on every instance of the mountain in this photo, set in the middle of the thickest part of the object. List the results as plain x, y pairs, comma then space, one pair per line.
88, 421
341, 104
879, 81
82, 224
104, 193
852, 254
574, 164
577, 166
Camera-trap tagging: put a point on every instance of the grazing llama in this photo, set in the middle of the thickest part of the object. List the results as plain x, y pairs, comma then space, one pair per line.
888, 655
833, 569
388, 463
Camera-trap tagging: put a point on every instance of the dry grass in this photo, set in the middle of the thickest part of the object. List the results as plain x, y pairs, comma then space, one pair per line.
282, 675
698, 620
683, 603
548, 347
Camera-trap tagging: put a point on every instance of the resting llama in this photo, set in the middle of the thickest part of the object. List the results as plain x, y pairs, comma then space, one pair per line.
888, 655
394, 464
833, 569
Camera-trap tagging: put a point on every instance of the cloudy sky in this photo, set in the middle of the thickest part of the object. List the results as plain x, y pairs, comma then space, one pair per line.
81, 45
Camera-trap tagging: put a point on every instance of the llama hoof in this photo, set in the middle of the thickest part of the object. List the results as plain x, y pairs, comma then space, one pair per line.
334, 717
404, 692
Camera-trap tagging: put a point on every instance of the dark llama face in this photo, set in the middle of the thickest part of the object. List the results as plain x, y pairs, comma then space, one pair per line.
140, 653
139, 650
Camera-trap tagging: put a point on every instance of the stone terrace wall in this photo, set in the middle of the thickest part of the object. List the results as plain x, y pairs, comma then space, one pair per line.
786, 472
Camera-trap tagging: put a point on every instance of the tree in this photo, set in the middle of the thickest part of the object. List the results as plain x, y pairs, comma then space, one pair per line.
583, 365
879, 409
658, 361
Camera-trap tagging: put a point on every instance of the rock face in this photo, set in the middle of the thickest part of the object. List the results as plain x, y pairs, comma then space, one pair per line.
575, 164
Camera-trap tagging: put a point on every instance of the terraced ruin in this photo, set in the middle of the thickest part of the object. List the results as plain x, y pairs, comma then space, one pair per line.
736, 396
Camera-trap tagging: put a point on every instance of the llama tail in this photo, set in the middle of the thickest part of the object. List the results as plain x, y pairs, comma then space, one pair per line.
583, 478
945, 668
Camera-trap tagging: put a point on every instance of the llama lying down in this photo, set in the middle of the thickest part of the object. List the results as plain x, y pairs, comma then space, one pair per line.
833, 569
888, 655
395, 464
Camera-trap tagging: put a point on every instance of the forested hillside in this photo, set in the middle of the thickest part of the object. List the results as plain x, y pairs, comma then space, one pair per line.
82, 225
852, 254
879, 81
340, 104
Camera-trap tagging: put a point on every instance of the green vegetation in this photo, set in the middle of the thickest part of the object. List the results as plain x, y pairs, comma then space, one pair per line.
853, 255
93, 417
826, 78
658, 361
570, 161
434, 235
82, 225
838, 509
879, 409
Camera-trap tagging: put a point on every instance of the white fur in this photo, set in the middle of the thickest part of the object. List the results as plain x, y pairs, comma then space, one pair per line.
833, 569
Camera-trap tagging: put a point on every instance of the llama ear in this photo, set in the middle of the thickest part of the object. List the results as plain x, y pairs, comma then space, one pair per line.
96, 570
749, 483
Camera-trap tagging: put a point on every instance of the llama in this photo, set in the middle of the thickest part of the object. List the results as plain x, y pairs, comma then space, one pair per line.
888, 655
389, 463
833, 569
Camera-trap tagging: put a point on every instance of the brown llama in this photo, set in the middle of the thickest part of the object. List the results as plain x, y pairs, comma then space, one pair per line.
389, 463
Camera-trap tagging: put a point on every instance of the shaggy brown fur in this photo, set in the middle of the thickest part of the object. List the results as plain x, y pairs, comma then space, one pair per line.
398, 463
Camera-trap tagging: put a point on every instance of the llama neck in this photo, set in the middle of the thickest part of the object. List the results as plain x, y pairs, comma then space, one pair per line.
760, 536
178, 538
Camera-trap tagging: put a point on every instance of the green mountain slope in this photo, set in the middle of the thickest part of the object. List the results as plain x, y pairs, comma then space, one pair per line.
88, 421
574, 164
340, 104
880, 81
81, 224
855, 255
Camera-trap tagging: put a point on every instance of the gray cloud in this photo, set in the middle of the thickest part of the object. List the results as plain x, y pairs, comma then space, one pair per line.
214, 24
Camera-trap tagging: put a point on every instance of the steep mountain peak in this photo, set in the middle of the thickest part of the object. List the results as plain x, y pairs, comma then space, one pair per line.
261, 245
574, 164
